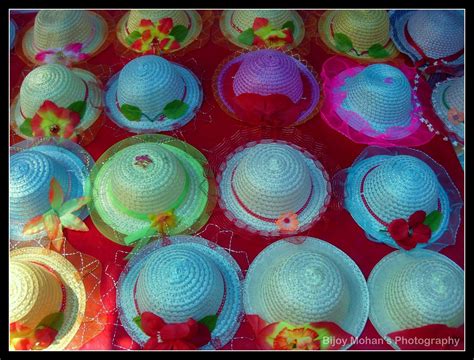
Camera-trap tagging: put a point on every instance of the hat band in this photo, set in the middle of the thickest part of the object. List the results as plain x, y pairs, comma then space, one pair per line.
259, 217
367, 207
127, 31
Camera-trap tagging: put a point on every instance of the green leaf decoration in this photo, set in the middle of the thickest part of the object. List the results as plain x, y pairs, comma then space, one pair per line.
377, 51
175, 109
138, 320
25, 128
289, 25
179, 32
343, 43
209, 322
53, 321
134, 36
79, 107
433, 220
73, 205
56, 194
131, 112
246, 37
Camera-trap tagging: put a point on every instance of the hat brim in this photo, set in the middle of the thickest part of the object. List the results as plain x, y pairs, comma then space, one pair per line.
358, 310
193, 98
12, 33
230, 316
77, 162
235, 212
76, 298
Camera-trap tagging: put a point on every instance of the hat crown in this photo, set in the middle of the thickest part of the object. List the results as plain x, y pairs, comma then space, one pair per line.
57, 28
34, 293
149, 83
267, 72
439, 33
364, 27
304, 287
400, 186
273, 179
429, 291
381, 94
53, 82
176, 283
147, 178
455, 94
243, 19
179, 17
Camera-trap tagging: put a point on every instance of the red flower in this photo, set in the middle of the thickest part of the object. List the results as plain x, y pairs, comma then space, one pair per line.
407, 234
259, 23
45, 337
165, 25
52, 120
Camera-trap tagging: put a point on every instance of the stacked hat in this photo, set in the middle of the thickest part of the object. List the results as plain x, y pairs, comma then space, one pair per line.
12, 33
183, 278
358, 34
55, 100
376, 104
262, 28
306, 280
387, 189
58, 30
429, 37
150, 176
267, 87
413, 291
152, 94
33, 163
273, 188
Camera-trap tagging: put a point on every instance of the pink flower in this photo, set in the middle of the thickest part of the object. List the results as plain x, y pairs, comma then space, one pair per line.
66, 55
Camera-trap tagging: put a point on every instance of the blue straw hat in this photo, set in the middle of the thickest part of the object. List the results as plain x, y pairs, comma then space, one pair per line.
146, 89
12, 33
33, 163
178, 278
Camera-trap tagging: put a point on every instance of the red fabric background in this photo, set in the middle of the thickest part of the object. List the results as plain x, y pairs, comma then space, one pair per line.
208, 129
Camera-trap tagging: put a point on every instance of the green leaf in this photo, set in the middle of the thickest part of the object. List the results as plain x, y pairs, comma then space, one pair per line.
290, 25
53, 321
175, 109
25, 128
209, 322
138, 320
73, 205
377, 51
179, 32
134, 36
71, 221
246, 37
343, 43
433, 220
79, 107
131, 112
56, 194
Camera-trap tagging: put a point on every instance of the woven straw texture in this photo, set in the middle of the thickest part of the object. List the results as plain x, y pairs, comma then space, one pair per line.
185, 278
12, 33
414, 289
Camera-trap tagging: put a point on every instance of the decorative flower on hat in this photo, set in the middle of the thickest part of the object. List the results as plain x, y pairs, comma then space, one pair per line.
67, 55
263, 34
39, 338
189, 335
288, 222
60, 215
173, 110
417, 230
344, 44
455, 116
438, 337
162, 36
284, 336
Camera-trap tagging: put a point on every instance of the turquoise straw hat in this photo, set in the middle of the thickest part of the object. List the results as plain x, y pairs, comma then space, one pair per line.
12, 33
152, 94
178, 278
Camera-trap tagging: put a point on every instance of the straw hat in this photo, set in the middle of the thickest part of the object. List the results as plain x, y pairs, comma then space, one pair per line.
189, 277
429, 35
43, 282
150, 175
413, 289
153, 85
358, 34
448, 95
383, 185
301, 280
260, 183
263, 75
55, 29
12, 33
33, 163
62, 86
234, 22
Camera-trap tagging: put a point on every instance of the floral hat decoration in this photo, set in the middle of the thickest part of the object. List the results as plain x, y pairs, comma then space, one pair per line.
402, 197
150, 186
182, 293
359, 34
267, 87
417, 301
58, 101
152, 94
49, 186
303, 293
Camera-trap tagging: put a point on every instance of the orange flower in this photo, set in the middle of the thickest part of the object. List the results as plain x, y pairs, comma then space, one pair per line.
455, 116
52, 120
299, 339
287, 222
163, 221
